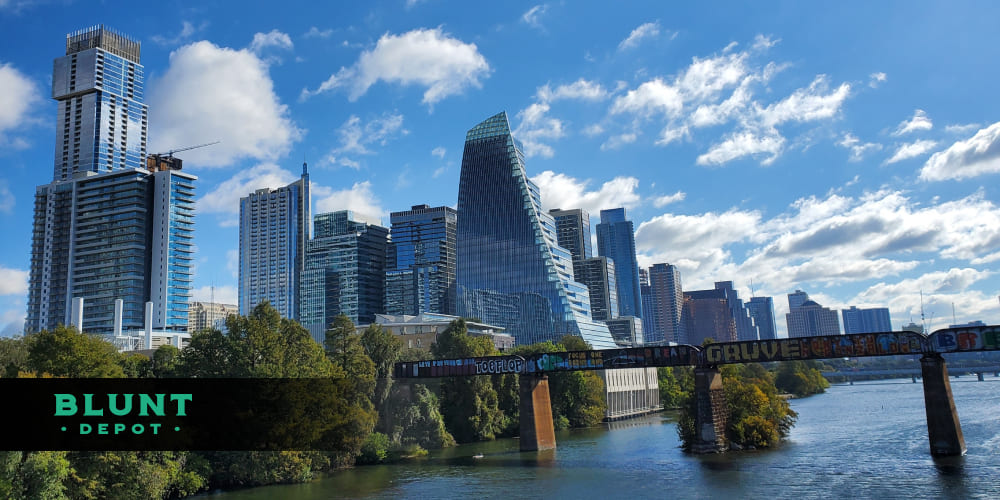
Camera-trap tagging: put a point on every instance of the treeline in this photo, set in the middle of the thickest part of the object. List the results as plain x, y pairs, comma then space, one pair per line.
376, 419
759, 413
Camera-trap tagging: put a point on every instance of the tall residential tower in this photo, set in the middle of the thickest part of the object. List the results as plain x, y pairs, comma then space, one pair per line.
616, 240
420, 261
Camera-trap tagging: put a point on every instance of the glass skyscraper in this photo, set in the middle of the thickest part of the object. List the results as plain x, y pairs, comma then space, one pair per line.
666, 305
874, 320
762, 311
616, 240
110, 225
511, 270
344, 272
420, 263
274, 229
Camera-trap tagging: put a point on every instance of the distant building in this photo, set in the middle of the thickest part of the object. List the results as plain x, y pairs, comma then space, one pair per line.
573, 231
616, 240
797, 299
630, 392
274, 229
598, 274
762, 311
913, 327
344, 272
511, 270
666, 301
646, 293
627, 331
421, 331
873, 320
420, 261
811, 319
204, 315
706, 315
970, 324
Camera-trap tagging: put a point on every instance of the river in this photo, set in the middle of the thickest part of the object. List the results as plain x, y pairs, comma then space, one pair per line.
868, 440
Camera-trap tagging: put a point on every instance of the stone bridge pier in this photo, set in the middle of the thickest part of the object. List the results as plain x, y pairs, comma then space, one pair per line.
712, 414
943, 427
537, 429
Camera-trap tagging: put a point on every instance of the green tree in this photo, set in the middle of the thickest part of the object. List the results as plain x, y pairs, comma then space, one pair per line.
383, 348
65, 352
165, 360
469, 404
416, 419
800, 378
34, 475
344, 349
13, 356
676, 385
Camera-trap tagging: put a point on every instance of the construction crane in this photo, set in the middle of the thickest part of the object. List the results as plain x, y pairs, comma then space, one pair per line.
157, 162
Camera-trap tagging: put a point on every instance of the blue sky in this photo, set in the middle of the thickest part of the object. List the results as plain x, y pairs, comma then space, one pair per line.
849, 150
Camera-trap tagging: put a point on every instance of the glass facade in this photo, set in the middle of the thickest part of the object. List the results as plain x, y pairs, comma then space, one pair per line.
598, 274
573, 231
666, 305
420, 261
274, 229
511, 271
874, 320
616, 240
344, 272
762, 311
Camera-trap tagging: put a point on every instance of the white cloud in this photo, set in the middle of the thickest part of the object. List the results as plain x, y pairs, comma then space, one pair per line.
767, 143
920, 121
815, 102
652, 97
962, 128
665, 200
225, 294
533, 16
426, 57
359, 198
315, 32
274, 38
355, 136
858, 149
581, 89
13, 281
188, 29
912, 150
211, 93
439, 152
593, 130
7, 200
18, 97
875, 79
617, 141
563, 191
225, 198
233, 263
640, 33
12, 321
438, 172
535, 127
979, 155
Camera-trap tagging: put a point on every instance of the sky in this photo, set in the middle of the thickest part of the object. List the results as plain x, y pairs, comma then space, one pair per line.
850, 150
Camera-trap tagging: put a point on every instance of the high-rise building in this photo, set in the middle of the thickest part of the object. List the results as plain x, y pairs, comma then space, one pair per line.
707, 315
626, 330
646, 292
573, 231
344, 271
110, 225
666, 301
511, 270
762, 311
745, 327
811, 319
598, 274
204, 315
797, 299
616, 240
874, 320
274, 229
420, 263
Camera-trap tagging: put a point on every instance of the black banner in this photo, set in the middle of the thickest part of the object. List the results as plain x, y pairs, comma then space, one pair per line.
171, 414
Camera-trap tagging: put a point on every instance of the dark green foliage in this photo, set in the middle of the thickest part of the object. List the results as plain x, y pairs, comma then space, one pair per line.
65, 352
676, 385
383, 348
13, 357
242, 469
164, 361
375, 450
36, 474
469, 404
801, 378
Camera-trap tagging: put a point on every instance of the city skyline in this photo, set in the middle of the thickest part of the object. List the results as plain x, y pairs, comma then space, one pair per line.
857, 135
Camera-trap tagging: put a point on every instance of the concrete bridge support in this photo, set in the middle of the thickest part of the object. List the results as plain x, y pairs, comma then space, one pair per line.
537, 430
943, 427
712, 415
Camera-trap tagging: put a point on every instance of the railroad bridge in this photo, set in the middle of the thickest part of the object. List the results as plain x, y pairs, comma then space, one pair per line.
537, 432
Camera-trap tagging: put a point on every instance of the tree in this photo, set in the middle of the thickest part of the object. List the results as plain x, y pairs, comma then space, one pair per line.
165, 361
344, 349
800, 378
65, 352
676, 385
13, 356
469, 404
383, 348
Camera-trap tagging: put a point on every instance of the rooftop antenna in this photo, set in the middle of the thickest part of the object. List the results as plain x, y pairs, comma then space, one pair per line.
753, 293
953, 320
923, 322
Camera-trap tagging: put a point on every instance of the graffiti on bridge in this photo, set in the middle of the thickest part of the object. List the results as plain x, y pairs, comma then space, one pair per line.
832, 346
978, 338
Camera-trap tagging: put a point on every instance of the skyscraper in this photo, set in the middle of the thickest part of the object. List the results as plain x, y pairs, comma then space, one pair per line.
872, 320
667, 303
274, 229
646, 292
110, 225
616, 240
344, 272
811, 319
511, 271
598, 274
420, 261
706, 315
762, 311
745, 327
573, 231
797, 299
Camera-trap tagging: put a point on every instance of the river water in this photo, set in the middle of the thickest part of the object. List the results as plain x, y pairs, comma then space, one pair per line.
868, 440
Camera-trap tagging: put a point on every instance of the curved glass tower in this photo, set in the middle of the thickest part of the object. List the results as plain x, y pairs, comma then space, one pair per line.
511, 271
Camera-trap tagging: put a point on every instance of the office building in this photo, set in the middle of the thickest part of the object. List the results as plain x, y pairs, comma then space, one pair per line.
665, 304
811, 319
762, 311
646, 292
421, 331
344, 271
707, 315
626, 330
745, 327
874, 320
573, 231
203, 315
420, 261
110, 226
598, 274
797, 299
616, 240
511, 270
274, 229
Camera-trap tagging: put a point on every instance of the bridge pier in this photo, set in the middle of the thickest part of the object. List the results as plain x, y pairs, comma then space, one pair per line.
943, 428
537, 429
981, 377
711, 415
